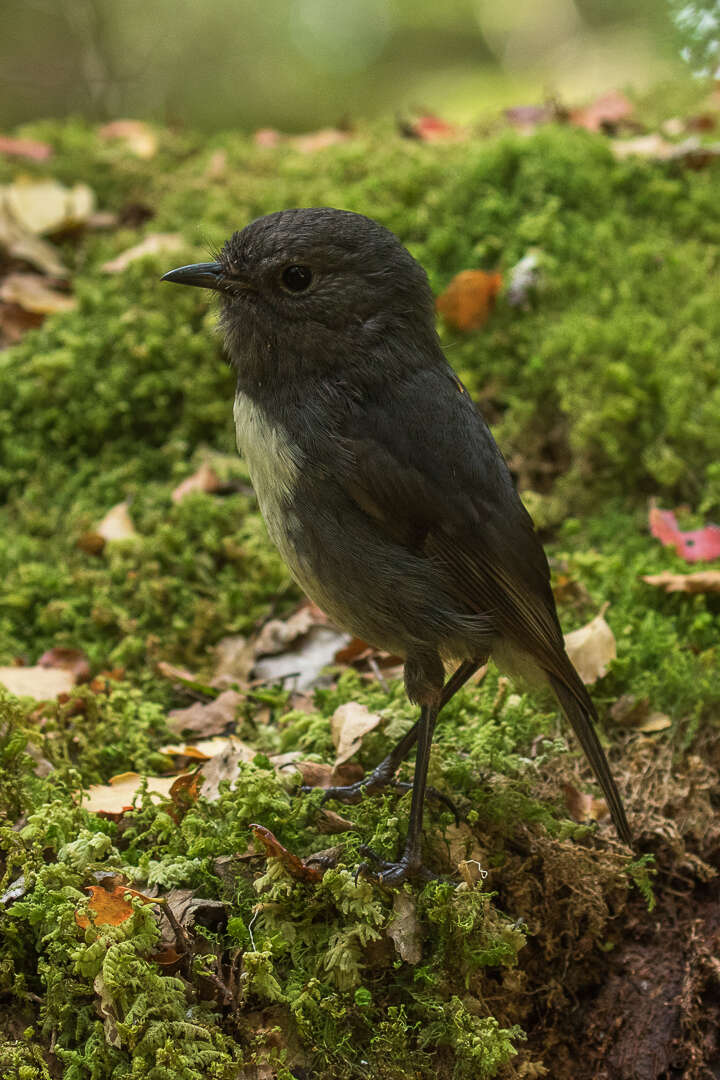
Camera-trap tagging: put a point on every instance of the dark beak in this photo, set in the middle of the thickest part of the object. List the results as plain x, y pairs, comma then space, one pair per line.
206, 275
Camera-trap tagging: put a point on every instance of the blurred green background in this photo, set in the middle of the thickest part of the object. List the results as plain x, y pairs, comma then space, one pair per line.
300, 64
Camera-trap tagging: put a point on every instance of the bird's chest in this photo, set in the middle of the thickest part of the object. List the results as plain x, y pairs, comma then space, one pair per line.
274, 466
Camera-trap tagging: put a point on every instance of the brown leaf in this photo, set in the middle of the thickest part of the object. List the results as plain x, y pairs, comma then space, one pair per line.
20, 243
138, 137
25, 148
234, 659
109, 906
114, 798
636, 713
604, 113
47, 206
321, 775
467, 302
154, 244
274, 849
527, 118
591, 648
15, 322
210, 719
39, 682
329, 823
174, 673
204, 479
185, 790
73, 660
224, 766
348, 724
701, 581
404, 930
32, 293
583, 807
277, 634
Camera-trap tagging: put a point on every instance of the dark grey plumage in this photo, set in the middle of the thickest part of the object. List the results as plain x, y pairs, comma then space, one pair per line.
378, 478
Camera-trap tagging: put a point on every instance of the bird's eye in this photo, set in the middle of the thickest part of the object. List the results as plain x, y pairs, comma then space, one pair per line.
296, 278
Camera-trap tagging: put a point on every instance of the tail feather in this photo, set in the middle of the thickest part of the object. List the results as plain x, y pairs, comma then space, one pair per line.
580, 711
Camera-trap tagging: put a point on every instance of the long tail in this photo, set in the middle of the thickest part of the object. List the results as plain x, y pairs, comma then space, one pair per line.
580, 711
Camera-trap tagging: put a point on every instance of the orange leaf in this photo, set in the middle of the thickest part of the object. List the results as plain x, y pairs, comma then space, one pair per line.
469, 298
274, 849
109, 907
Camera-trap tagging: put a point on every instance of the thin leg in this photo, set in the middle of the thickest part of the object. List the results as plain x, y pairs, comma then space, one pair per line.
383, 774
410, 863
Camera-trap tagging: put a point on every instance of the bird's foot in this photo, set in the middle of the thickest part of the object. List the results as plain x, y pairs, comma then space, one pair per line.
432, 793
353, 793
408, 868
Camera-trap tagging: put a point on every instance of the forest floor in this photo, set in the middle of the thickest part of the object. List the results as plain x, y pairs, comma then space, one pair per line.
171, 906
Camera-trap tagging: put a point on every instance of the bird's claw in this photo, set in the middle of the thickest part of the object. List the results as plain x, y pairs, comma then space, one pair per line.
392, 874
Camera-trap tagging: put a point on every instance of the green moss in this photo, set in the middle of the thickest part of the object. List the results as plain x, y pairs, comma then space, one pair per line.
603, 391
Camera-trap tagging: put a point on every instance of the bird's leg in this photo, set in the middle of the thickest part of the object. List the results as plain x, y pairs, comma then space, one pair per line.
424, 683
410, 864
383, 774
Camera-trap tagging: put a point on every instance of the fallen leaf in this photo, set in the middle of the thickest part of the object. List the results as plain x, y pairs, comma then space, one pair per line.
523, 280
691, 152
274, 849
185, 790
701, 581
348, 724
47, 206
693, 545
154, 244
202, 749
304, 664
174, 673
138, 137
234, 659
224, 766
583, 807
109, 907
471, 872
404, 930
318, 140
32, 293
25, 148
117, 524
15, 323
467, 302
329, 823
114, 798
527, 118
463, 845
321, 775
591, 648
41, 683
20, 243
603, 114
277, 634
210, 719
636, 713
106, 1007
73, 660
430, 128
204, 479
267, 137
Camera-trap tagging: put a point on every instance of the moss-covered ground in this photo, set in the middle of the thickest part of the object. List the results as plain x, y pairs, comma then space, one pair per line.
604, 390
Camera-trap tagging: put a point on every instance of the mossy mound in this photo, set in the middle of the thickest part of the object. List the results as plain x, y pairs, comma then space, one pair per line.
603, 389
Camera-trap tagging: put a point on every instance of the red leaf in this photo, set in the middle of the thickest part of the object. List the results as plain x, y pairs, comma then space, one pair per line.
693, 545
294, 866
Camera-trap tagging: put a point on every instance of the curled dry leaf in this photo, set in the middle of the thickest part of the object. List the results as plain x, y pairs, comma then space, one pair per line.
47, 206
32, 293
210, 719
110, 906
113, 799
636, 713
138, 137
274, 849
224, 766
583, 807
277, 634
305, 663
591, 648
329, 823
20, 243
702, 581
204, 479
154, 244
404, 930
321, 775
348, 725
467, 302
693, 545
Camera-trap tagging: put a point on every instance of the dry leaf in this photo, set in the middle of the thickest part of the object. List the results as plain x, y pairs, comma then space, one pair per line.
348, 724
583, 807
319, 774
154, 244
110, 907
204, 479
25, 148
591, 648
277, 634
24, 245
693, 545
691, 152
41, 683
224, 766
606, 112
636, 713
115, 798
526, 118
32, 293
469, 298
304, 664
329, 823
47, 206
234, 659
318, 140
210, 719
15, 323
274, 849
404, 930
430, 128
73, 660
463, 845
702, 581
117, 524
175, 674
138, 137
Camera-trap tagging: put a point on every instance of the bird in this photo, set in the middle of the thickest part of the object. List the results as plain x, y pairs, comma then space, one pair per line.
379, 480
